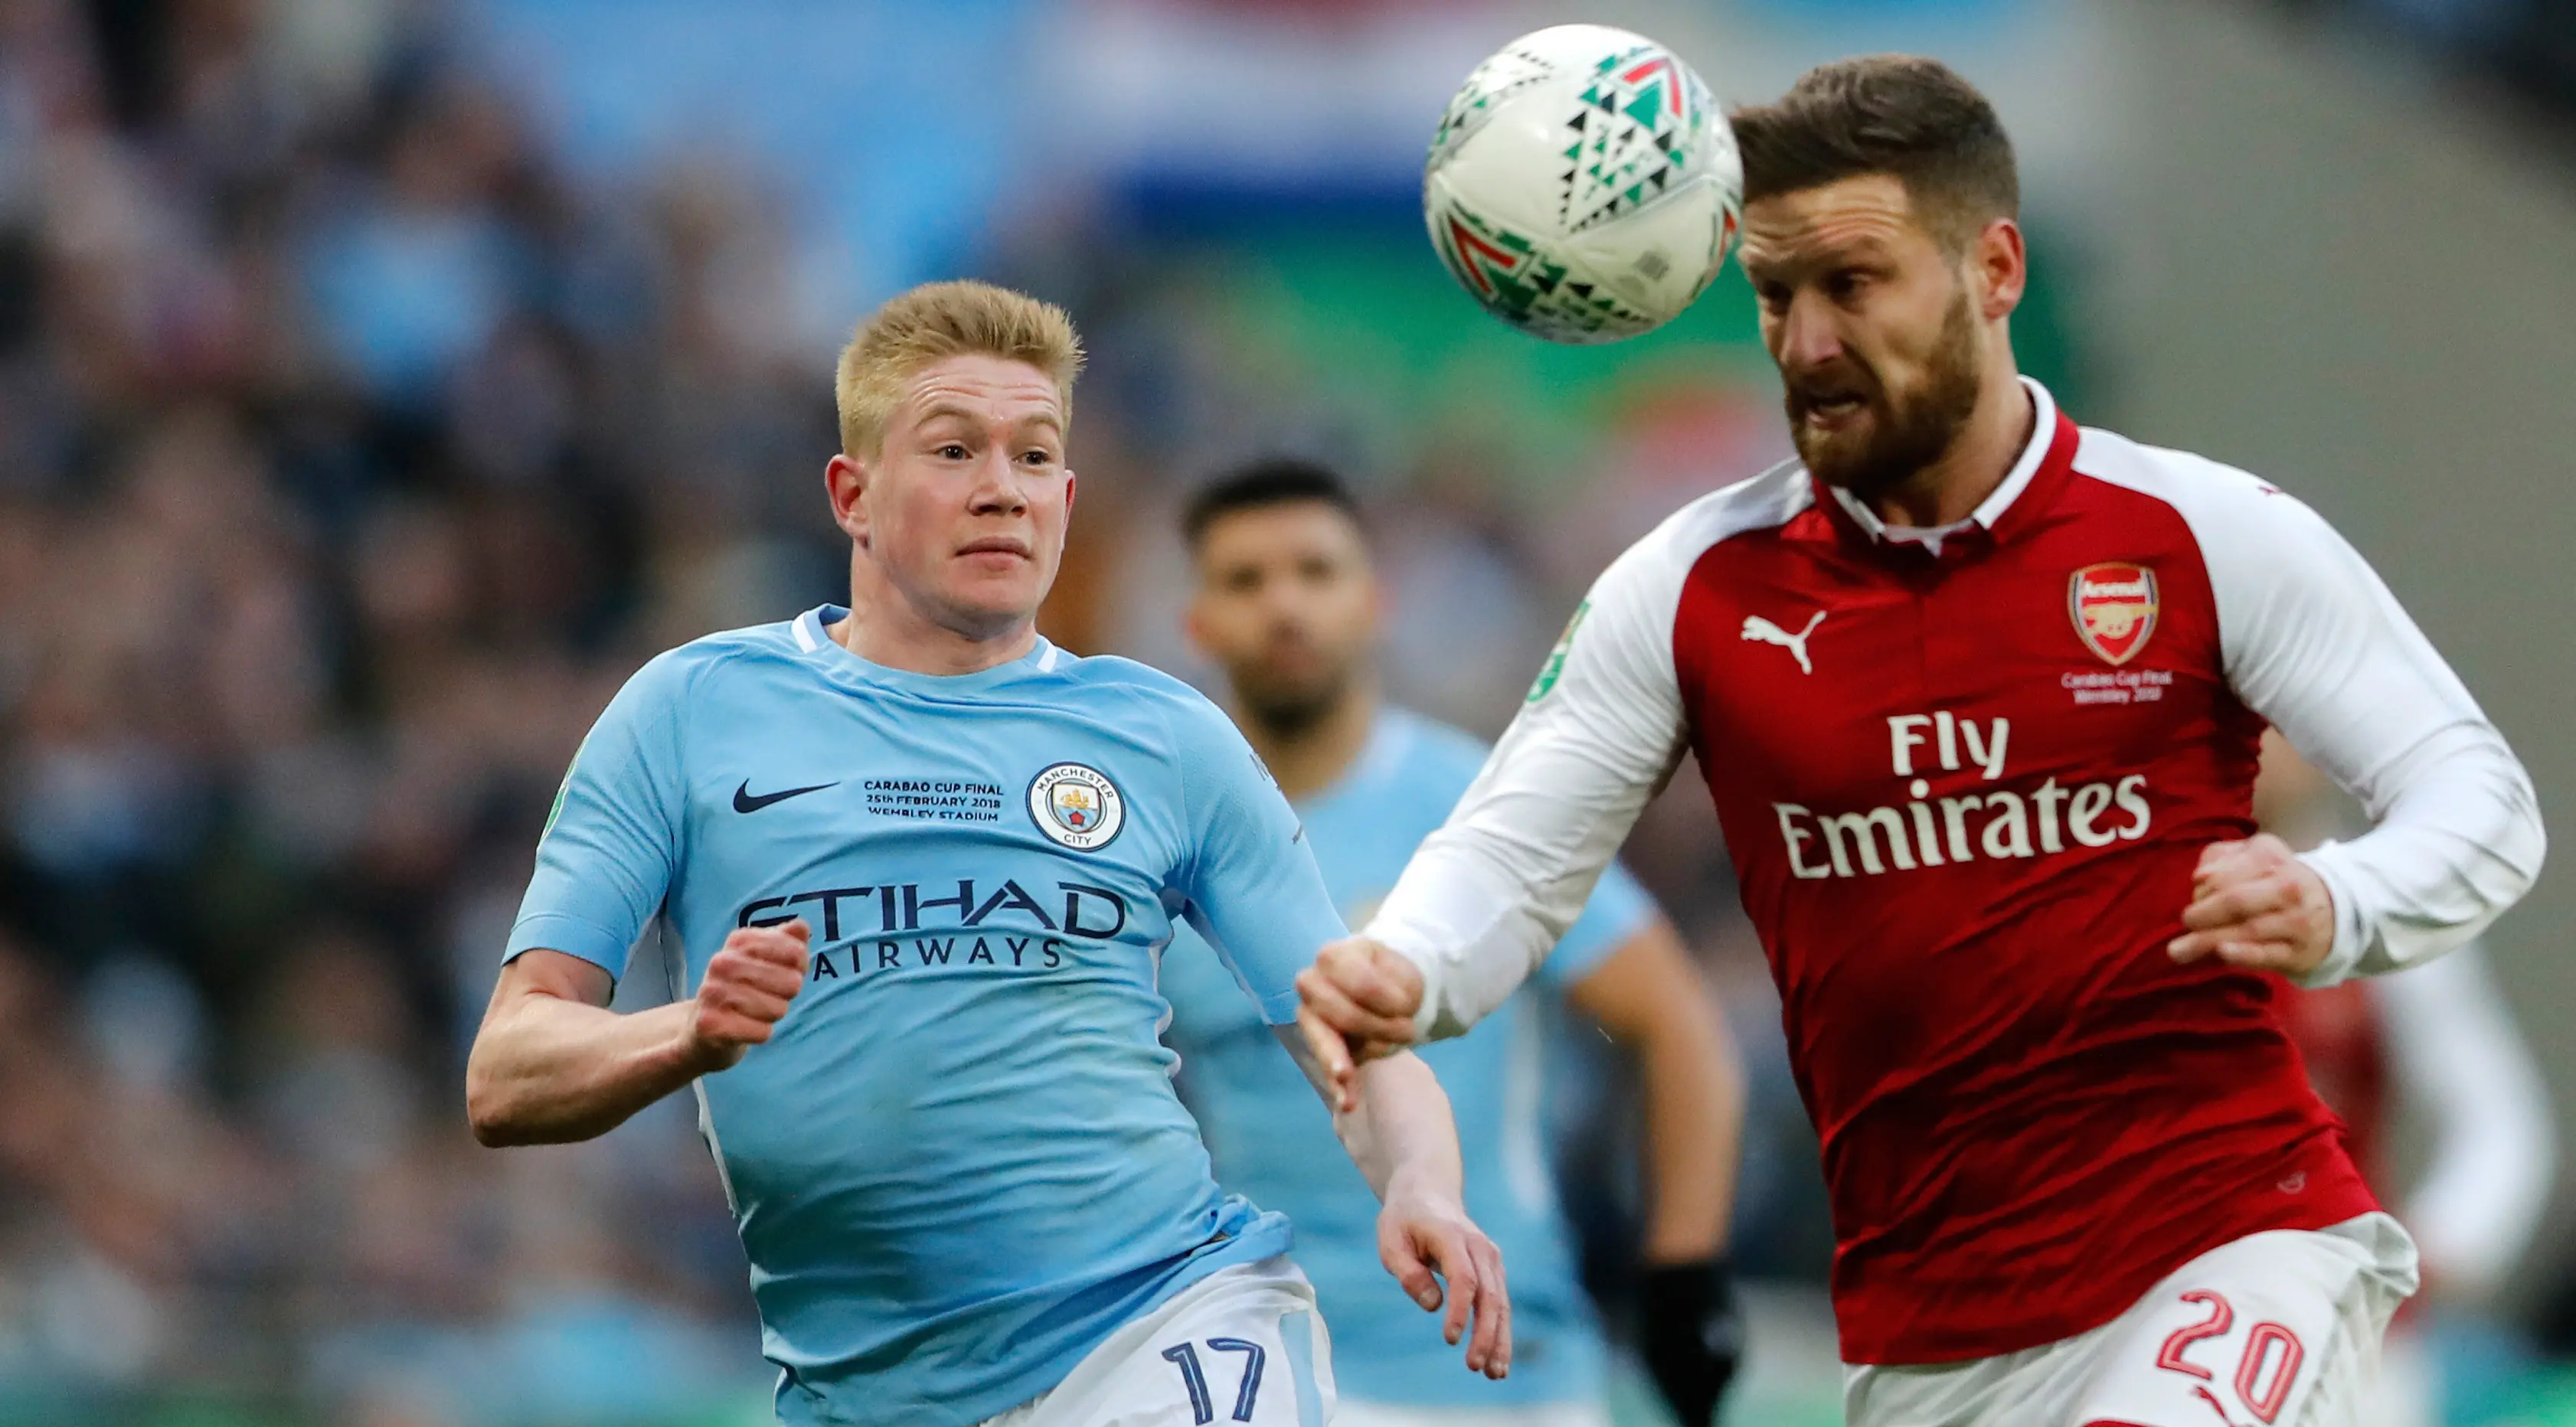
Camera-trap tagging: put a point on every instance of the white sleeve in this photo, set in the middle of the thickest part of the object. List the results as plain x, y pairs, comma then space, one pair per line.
2462, 1066
2316, 644
1486, 897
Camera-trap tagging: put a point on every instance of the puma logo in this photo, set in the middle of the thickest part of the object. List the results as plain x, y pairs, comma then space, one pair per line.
1756, 627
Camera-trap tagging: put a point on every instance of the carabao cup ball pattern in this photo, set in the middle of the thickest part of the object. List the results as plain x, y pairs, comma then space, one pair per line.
1552, 222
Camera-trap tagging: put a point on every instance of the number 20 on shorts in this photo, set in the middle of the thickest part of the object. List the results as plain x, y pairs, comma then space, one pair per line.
2269, 1364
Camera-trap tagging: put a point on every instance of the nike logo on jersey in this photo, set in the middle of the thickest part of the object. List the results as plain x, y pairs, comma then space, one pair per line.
745, 802
1758, 628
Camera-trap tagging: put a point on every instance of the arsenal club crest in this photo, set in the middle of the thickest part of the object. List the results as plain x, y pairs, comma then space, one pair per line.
2114, 609
1076, 806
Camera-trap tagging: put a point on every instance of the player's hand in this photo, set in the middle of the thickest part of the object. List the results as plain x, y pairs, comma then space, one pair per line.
749, 982
2255, 904
1691, 1335
1356, 1003
1426, 1240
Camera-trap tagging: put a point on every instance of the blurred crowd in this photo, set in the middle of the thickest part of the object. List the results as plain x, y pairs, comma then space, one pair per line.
353, 450
349, 458
2529, 44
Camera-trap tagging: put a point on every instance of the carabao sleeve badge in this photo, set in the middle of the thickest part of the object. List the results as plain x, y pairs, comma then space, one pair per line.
1075, 805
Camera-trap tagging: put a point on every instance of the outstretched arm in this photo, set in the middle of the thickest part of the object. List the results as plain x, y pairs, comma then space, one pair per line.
553, 1064
1402, 1137
1486, 897
1254, 893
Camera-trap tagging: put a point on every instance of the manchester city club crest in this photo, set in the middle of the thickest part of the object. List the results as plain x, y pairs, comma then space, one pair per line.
1076, 806
2114, 609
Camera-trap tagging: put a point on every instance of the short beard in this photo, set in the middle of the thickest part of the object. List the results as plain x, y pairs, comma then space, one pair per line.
1911, 430
1291, 713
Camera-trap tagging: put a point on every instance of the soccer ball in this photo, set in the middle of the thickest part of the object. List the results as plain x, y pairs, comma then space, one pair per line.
1582, 185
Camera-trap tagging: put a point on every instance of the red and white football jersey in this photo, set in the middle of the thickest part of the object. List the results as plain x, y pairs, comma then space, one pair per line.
1965, 780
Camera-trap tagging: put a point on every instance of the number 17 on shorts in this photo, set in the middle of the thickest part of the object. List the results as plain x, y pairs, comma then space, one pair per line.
1241, 1348
1194, 1379
1263, 1374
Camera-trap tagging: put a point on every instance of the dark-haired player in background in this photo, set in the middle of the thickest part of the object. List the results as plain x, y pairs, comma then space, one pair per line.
1977, 694
1287, 604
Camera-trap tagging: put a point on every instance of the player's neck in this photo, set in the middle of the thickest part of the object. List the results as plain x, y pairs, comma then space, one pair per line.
1314, 755
1950, 489
895, 636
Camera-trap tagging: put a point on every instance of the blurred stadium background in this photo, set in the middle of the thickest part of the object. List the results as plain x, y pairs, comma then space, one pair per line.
382, 380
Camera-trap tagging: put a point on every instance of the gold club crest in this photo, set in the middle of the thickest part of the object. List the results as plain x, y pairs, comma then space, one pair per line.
2114, 608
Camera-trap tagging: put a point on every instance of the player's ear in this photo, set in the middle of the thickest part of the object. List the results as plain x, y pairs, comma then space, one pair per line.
2001, 266
845, 481
1194, 624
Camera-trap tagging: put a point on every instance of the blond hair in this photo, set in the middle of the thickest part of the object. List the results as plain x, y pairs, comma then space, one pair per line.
935, 321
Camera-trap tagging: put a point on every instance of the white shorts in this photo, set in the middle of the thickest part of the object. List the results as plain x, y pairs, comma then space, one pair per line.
1356, 1413
1242, 1345
2278, 1329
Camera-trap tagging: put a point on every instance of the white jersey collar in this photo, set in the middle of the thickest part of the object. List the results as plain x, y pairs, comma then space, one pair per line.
2043, 432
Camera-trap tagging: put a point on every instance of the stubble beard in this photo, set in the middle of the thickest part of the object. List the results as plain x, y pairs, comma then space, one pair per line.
1908, 431
1288, 710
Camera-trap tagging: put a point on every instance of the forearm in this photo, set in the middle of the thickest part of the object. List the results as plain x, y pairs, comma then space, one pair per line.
1694, 1108
2458, 840
2315, 643
1467, 920
547, 1070
1402, 1134
1486, 898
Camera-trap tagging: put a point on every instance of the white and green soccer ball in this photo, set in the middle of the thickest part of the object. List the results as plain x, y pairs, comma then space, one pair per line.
1582, 185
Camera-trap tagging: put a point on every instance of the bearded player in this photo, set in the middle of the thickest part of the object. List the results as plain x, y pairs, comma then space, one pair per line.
919, 865
1287, 604
1977, 694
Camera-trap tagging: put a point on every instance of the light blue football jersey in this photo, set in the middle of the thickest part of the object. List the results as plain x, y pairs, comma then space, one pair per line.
1271, 1141
960, 1163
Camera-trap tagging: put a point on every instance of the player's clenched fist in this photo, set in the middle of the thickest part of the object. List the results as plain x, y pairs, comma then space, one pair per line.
748, 984
1358, 1002
2256, 905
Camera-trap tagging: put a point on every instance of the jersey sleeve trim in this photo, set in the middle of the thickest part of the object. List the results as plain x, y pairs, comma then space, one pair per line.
571, 935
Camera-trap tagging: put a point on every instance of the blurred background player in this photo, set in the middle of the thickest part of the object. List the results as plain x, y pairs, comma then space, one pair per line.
1989, 807
919, 961
1287, 603
2430, 1074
